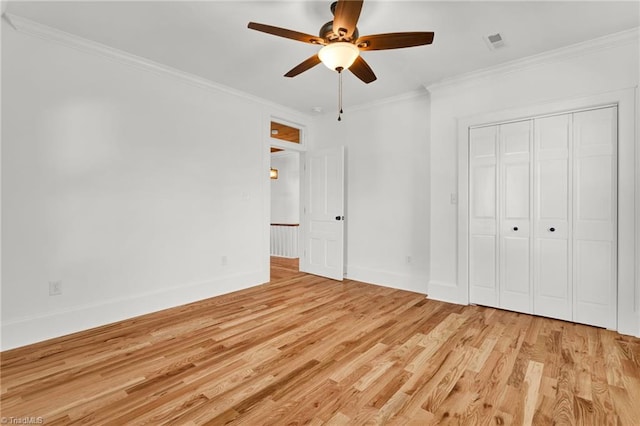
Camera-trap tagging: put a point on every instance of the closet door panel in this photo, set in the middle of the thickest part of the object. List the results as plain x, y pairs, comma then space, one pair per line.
553, 186
484, 194
514, 219
483, 267
483, 245
516, 189
552, 278
516, 283
553, 270
594, 270
594, 216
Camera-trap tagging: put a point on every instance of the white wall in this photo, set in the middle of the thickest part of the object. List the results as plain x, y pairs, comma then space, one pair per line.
387, 189
285, 191
127, 184
588, 70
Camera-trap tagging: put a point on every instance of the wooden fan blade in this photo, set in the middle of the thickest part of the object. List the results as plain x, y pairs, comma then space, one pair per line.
362, 70
302, 67
346, 17
394, 40
283, 32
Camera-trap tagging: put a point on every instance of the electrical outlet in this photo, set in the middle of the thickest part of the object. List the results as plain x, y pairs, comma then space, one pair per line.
55, 288
454, 198
224, 261
408, 259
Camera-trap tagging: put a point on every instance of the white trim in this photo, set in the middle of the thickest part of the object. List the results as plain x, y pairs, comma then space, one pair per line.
266, 199
442, 284
288, 146
32, 28
302, 232
4, 5
284, 153
447, 292
444, 297
628, 284
516, 120
390, 100
27, 330
414, 283
561, 54
637, 207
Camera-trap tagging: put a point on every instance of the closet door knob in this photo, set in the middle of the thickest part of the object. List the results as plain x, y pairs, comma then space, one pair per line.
515, 228
552, 229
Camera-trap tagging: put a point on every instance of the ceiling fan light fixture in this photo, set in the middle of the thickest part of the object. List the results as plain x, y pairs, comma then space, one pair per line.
342, 44
337, 55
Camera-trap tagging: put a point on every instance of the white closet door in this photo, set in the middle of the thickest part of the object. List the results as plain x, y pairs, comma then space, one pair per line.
594, 216
483, 243
515, 216
552, 210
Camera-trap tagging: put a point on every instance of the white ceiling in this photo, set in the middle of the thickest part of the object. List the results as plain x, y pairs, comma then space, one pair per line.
210, 39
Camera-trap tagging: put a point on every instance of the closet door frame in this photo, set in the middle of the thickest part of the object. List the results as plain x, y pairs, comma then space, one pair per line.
628, 289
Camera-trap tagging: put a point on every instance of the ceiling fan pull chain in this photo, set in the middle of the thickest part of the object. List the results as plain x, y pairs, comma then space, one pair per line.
339, 93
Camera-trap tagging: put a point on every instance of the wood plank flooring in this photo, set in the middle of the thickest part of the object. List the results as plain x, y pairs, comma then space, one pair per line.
283, 267
307, 350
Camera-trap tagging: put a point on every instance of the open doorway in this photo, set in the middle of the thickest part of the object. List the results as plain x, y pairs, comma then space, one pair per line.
286, 188
315, 232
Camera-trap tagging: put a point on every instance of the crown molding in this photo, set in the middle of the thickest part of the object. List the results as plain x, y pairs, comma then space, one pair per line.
390, 100
35, 29
563, 53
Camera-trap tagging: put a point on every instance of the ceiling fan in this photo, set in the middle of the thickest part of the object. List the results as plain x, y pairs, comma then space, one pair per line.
342, 43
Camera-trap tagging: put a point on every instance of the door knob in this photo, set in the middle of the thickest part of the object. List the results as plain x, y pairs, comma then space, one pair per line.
515, 228
339, 217
552, 229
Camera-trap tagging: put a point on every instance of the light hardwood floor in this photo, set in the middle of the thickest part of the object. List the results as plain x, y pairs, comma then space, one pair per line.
304, 349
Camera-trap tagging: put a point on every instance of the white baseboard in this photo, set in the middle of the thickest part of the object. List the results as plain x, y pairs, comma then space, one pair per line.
446, 300
25, 331
415, 283
445, 292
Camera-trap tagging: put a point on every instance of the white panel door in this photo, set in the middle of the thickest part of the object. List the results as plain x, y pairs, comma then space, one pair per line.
323, 214
552, 275
594, 216
483, 206
515, 216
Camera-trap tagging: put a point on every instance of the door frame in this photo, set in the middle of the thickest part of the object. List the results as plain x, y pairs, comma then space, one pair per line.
301, 123
268, 142
628, 304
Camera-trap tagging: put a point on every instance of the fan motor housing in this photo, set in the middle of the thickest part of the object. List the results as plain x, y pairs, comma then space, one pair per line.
326, 32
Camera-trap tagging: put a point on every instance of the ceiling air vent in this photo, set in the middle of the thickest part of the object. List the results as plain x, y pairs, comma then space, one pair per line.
494, 41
